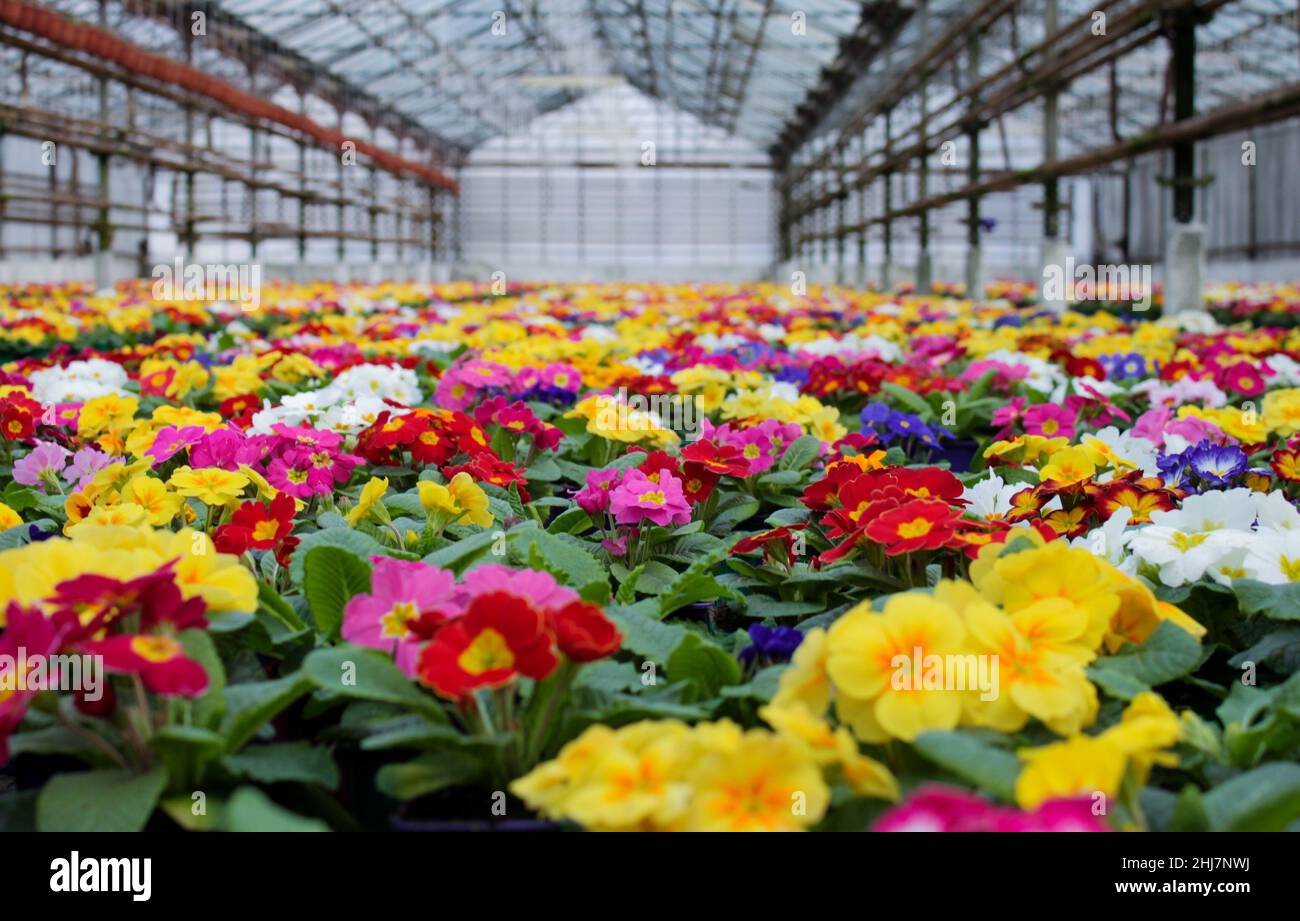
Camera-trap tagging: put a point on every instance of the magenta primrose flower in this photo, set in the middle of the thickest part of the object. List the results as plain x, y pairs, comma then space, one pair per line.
172, 439
938, 808
400, 592
297, 474
638, 498
1049, 421
594, 497
535, 586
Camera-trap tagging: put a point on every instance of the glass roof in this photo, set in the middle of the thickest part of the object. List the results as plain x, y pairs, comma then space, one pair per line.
465, 71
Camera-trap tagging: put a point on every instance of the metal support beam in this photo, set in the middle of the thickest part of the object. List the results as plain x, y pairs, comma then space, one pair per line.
974, 251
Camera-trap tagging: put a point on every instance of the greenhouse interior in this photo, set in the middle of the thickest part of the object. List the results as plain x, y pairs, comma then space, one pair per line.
649, 415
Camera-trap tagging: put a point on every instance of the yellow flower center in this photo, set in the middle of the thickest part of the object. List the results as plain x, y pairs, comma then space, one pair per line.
266, 530
1186, 542
654, 497
396, 620
917, 527
488, 652
155, 648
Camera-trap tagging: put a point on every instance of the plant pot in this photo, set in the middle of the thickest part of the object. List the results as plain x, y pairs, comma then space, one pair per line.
397, 823
959, 454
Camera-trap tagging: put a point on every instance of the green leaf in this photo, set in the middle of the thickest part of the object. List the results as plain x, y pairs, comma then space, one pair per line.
913, 401
1279, 602
271, 604
368, 674
733, 516
627, 591
762, 688
570, 521
1189, 812
1265, 799
249, 809
360, 544
697, 583
1167, 654
208, 708
332, 576
994, 770
563, 557
802, 452
645, 635
99, 800
610, 676
250, 706
430, 773
763, 606
285, 761
704, 665
459, 555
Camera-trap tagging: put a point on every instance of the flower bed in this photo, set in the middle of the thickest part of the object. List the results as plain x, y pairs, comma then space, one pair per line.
652, 558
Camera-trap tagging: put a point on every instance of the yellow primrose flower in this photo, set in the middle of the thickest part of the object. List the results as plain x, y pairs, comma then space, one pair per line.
768, 783
9, 518
1140, 613
1055, 570
882, 664
124, 514
828, 746
610, 418
210, 485
461, 497
1079, 766
805, 682
101, 414
1087, 765
1147, 728
1024, 449
30, 574
1281, 411
151, 494
184, 376
371, 493
219, 578
1067, 466
1034, 673
635, 778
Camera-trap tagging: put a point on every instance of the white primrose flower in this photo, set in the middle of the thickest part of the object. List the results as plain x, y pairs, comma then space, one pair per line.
1127, 451
1182, 557
1275, 513
1274, 557
1110, 541
78, 381
1214, 510
990, 498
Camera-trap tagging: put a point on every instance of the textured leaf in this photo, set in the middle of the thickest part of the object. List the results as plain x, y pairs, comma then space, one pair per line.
331, 577
99, 801
368, 674
994, 770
